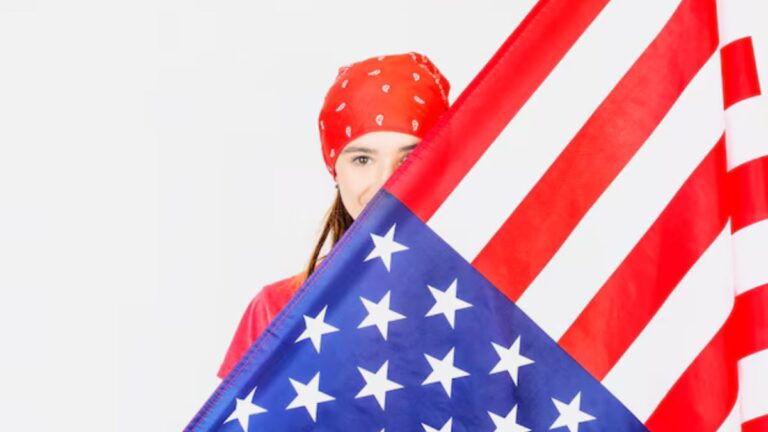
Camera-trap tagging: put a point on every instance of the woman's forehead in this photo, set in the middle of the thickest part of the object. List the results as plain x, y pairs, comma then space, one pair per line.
382, 141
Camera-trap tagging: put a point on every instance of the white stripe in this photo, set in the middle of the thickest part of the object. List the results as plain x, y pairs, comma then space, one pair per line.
547, 122
746, 126
741, 18
629, 206
732, 423
753, 385
683, 326
750, 251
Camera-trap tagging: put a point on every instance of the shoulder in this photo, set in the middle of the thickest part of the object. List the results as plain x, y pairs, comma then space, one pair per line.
279, 292
260, 312
270, 300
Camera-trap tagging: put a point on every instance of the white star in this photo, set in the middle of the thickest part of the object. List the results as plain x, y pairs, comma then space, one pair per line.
510, 359
446, 302
446, 427
443, 371
379, 314
385, 246
508, 423
316, 328
244, 409
309, 395
377, 384
570, 414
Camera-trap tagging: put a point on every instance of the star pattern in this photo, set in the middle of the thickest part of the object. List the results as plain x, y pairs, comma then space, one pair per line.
244, 409
510, 359
447, 303
443, 371
309, 396
361, 370
377, 384
385, 246
507, 423
446, 427
316, 328
571, 414
379, 314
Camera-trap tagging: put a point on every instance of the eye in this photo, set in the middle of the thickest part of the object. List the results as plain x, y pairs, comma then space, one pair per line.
361, 160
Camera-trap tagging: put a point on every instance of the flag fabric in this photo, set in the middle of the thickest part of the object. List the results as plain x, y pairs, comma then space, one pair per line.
402, 332
580, 244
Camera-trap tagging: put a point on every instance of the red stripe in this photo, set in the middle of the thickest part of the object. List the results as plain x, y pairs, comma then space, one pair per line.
750, 322
740, 79
639, 286
610, 138
482, 111
704, 395
759, 424
748, 185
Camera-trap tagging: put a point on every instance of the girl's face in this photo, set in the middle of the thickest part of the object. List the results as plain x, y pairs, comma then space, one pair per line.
366, 163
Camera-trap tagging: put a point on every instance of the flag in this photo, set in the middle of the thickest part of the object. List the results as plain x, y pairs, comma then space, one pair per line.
580, 244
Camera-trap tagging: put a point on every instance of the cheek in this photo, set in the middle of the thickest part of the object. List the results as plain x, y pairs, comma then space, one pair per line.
353, 181
351, 187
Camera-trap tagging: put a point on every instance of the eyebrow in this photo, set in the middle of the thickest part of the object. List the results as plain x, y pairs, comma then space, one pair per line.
368, 150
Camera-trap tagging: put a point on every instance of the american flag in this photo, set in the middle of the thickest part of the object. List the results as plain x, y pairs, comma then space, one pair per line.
580, 244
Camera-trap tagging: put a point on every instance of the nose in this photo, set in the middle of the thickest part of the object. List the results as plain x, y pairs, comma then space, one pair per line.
386, 172
381, 177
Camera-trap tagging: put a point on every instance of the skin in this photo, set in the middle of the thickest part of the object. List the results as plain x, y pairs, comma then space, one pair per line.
366, 163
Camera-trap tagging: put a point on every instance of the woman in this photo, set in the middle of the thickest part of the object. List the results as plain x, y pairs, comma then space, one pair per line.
375, 113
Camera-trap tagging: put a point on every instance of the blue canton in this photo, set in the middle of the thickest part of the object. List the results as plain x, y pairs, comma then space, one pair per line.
397, 332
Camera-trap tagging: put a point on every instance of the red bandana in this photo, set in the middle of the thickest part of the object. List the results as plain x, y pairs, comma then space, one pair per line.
400, 93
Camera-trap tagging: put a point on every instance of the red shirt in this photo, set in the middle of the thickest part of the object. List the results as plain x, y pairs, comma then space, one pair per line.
260, 312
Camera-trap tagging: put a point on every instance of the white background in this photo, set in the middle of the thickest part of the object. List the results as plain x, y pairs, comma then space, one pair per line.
159, 163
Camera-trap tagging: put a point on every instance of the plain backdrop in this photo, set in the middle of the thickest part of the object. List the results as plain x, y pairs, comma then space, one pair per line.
159, 163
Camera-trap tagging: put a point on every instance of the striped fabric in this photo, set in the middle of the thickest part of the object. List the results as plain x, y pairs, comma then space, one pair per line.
607, 171
615, 158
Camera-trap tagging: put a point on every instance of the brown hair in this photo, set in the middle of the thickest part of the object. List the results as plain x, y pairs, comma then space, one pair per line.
337, 221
